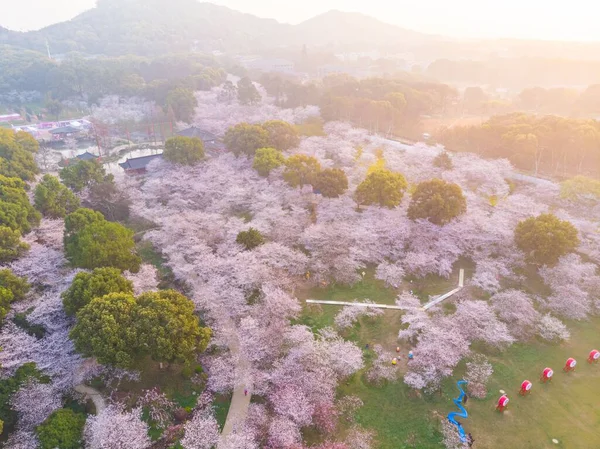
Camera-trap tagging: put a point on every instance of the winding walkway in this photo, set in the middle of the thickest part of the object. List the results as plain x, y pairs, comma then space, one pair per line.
94, 395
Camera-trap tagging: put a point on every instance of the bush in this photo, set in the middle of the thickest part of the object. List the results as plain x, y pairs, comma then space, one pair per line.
381, 187
244, 138
331, 183
545, 239
437, 201
92, 242
184, 150
250, 239
53, 199
11, 246
87, 286
63, 429
443, 161
267, 159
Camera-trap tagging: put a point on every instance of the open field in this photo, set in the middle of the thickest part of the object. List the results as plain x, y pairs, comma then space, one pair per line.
568, 409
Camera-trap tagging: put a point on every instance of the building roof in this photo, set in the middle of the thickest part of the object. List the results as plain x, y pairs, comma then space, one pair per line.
139, 163
87, 156
65, 130
194, 131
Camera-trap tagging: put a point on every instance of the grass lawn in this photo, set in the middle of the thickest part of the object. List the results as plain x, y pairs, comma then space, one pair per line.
568, 409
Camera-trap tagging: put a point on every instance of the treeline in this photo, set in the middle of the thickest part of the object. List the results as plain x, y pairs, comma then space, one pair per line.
517, 72
387, 105
92, 78
549, 144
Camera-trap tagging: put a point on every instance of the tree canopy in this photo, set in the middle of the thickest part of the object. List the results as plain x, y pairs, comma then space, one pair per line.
381, 187
83, 174
168, 327
92, 242
331, 182
16, 212
184, 150
443, 161
267, 159
63, 429
106, 329
16, 155
244, 138
12, 288
437, 201
545, 238
183, 102
53, 199
87, 286
247, 91
300, 170
282, 135
11, 245
119, 329
250, 239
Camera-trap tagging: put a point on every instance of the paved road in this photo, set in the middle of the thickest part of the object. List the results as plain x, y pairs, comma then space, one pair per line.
238, 409
94, 395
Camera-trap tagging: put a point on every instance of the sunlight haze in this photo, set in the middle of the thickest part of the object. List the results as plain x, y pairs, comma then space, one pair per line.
527, 19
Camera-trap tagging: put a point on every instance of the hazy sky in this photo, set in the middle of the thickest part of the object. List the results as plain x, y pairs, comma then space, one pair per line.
537, 19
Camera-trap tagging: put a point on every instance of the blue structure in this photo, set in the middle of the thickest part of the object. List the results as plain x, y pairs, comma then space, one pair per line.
463, 412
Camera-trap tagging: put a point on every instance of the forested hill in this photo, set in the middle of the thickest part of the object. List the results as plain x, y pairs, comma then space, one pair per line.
155, 27
151, 27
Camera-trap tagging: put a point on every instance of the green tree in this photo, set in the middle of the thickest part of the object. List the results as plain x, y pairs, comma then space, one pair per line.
76, 221
87, 286
397, 100
83, 174
103, 244
331, 182
6, 299
183, 102
18, 286
16, 212
16, 157
250, 239
247, 92
114, 203
381, 187
168, 327
545, 238
54, 107
443, 161
106, 329
53, 199
27, 142
11, 246
282, 135
267, 159
437, 201
63, 429
244, 138
184, 150
300, 170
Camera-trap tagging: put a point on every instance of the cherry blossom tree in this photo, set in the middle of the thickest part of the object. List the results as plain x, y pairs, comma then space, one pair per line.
350, 314
382, 368
515, 308
478, 372
451, 437
34, 402
551, 328
391, 274
115, 428
201, 432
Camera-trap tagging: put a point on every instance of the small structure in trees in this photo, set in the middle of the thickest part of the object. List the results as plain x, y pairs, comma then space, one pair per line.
138, 165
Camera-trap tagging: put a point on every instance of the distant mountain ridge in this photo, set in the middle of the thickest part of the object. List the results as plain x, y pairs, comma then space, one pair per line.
151, 27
